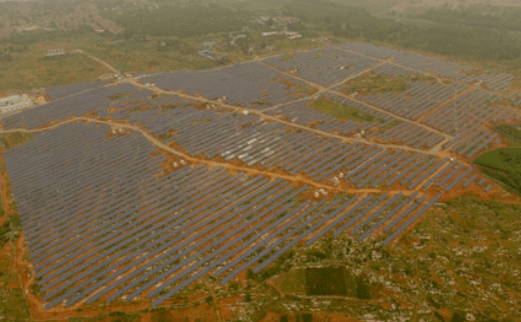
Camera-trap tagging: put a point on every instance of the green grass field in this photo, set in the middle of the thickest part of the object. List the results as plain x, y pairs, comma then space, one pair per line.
11, 140
374, 83
294, 281
341, 111
503, 165
509, 131
323, 281
327, 281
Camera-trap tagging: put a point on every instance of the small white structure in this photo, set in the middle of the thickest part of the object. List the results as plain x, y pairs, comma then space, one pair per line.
55, 52
269, 33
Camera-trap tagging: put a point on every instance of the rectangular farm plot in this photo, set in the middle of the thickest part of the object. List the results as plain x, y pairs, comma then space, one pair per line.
329, 281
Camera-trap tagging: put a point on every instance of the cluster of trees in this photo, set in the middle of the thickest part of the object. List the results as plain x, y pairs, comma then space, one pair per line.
6, 51
183, 19
445, 39
504, 165
175, 45
506, 18
25, 39
181, 22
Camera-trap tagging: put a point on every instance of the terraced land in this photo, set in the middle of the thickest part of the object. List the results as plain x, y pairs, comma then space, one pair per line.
134, 190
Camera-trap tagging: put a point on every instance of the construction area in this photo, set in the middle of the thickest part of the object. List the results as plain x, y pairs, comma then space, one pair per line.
134, 189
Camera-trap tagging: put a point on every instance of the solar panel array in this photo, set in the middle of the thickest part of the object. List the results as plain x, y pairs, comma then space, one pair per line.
325, 66
300, 113
248, 84
465, 119
72, 89
495, 81
408, 134
103, 222
419, 100
118, 229
96, 101
271, 146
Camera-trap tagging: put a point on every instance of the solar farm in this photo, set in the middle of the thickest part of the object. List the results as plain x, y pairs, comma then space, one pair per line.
134, 190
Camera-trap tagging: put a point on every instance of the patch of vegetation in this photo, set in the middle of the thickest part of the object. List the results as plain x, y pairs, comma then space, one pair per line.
26, 66
178, 21
118, 96
340, 110
293, 281
300, 89
287, 57
323, 281
446, 39
169, 106
261, 102
326, 281
167, 135
161, 315
458, 317
205, 120
362, 289
29, 68
175, 45
36, 289
12, 302
307, 317
11, 140
375, 83
76, 319
503, 165
15, 308
5, 231
124, 317
505, 18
